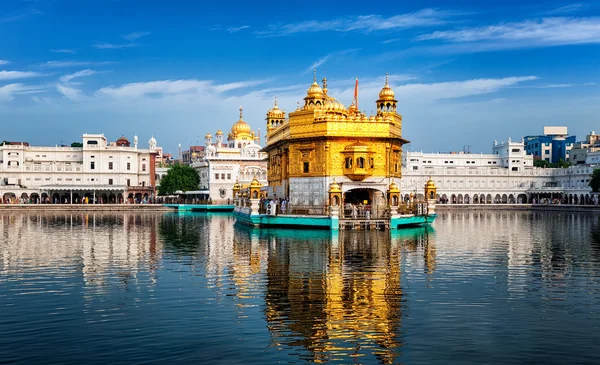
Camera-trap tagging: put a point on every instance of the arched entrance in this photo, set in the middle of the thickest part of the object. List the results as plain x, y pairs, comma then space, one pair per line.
488, 199
453, 199
482, 199
55, 198
467, 199
64, 199
459, 199
120, 198
8, 197
357, 202
504, 199
35, 198
76, 198
522, 198
475, 199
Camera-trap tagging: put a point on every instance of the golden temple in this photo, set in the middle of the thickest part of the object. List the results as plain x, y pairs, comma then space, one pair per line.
323, 142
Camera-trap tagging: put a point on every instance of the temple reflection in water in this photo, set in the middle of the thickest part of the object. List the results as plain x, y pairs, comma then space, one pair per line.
336, 296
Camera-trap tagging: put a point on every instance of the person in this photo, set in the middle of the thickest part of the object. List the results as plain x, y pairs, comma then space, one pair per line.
354, 212
283, 206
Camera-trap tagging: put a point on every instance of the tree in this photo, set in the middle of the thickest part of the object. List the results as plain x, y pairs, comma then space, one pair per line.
595, 180
76, 144
541, 163
179, 177
563, 164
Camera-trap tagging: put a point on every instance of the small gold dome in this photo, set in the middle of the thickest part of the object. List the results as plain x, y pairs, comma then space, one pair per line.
237, 186
334, 187
240, 127
315, 91
386, 93
255, 183
208, 135
219, 133
331, 104
393, 188
430, 184
275, 112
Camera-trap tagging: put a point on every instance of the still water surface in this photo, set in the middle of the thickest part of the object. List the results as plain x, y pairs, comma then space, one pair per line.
478, 287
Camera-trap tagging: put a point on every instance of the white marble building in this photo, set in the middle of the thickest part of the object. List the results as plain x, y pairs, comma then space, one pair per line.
225, 162
507, 175
101, 171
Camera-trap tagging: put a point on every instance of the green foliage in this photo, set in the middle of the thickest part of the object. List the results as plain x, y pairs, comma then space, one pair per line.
76, 144
595, 180
545, 164
179, 177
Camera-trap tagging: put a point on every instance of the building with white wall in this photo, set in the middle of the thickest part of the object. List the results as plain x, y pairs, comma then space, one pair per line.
225, 162
505, 176
101, 171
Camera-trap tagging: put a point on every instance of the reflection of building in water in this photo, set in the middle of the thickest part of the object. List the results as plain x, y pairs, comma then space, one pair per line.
339, 300
103, 246
526, 243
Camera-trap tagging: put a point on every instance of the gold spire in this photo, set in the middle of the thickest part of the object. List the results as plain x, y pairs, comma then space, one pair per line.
241, 127
324, 85
242, 109
275, 112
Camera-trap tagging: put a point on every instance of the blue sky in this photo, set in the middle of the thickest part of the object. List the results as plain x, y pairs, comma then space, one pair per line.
464, 72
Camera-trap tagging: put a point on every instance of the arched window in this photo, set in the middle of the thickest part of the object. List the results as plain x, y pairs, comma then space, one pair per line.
335, 201
348, 162
360, 163
394, 200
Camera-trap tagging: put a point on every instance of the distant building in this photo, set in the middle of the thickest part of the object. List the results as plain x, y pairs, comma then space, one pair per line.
194, 154
506, 175
237, 160
586, 152
553, 146
102, 171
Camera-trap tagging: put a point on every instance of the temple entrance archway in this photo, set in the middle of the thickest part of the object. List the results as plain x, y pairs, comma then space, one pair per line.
357, 202
459, 199
504, 199
522, 198
488, 199
475, 199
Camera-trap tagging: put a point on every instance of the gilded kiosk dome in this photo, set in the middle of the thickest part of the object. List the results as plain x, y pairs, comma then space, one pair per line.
240, 127
386, 93
275, 112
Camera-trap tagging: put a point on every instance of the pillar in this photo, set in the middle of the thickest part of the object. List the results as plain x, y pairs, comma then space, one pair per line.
430, 194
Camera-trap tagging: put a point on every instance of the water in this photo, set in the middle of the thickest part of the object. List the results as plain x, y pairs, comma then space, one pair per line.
482, 287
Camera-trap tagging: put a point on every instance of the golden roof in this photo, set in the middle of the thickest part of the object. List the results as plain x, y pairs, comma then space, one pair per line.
393, 188
240, 127
237, 185
334, 187
208, 135
314, 91
386, 93
219, 133
430, 184
255, 183
275, 112
331, 104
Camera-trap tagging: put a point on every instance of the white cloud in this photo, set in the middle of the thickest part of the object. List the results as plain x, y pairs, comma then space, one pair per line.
164, 88
8, 92
529, 33
114, 46
14, 75
316, 64
364, 23
66, 64
68, 92
67, 78
4, 62
63, 50
571, 8
135, 35
237, 29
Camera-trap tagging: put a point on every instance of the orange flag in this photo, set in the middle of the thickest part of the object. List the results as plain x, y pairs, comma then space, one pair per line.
356, 92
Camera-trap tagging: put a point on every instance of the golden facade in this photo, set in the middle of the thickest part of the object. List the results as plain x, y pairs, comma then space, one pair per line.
323, 140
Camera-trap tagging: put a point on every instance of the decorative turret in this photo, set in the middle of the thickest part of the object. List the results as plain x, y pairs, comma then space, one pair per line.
236, 188
219, 137
255, 186
393, 195
275, 117
386, 102
430, 190
335, 194
241, 128
208, 139
314, 95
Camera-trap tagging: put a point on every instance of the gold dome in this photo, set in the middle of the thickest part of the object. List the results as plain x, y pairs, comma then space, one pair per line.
237, 186
393, 188
208, 135
219, 133
240, 127
386, 93
275, 112
331, 104
334, 187
430, 184
255, 183
315, 91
